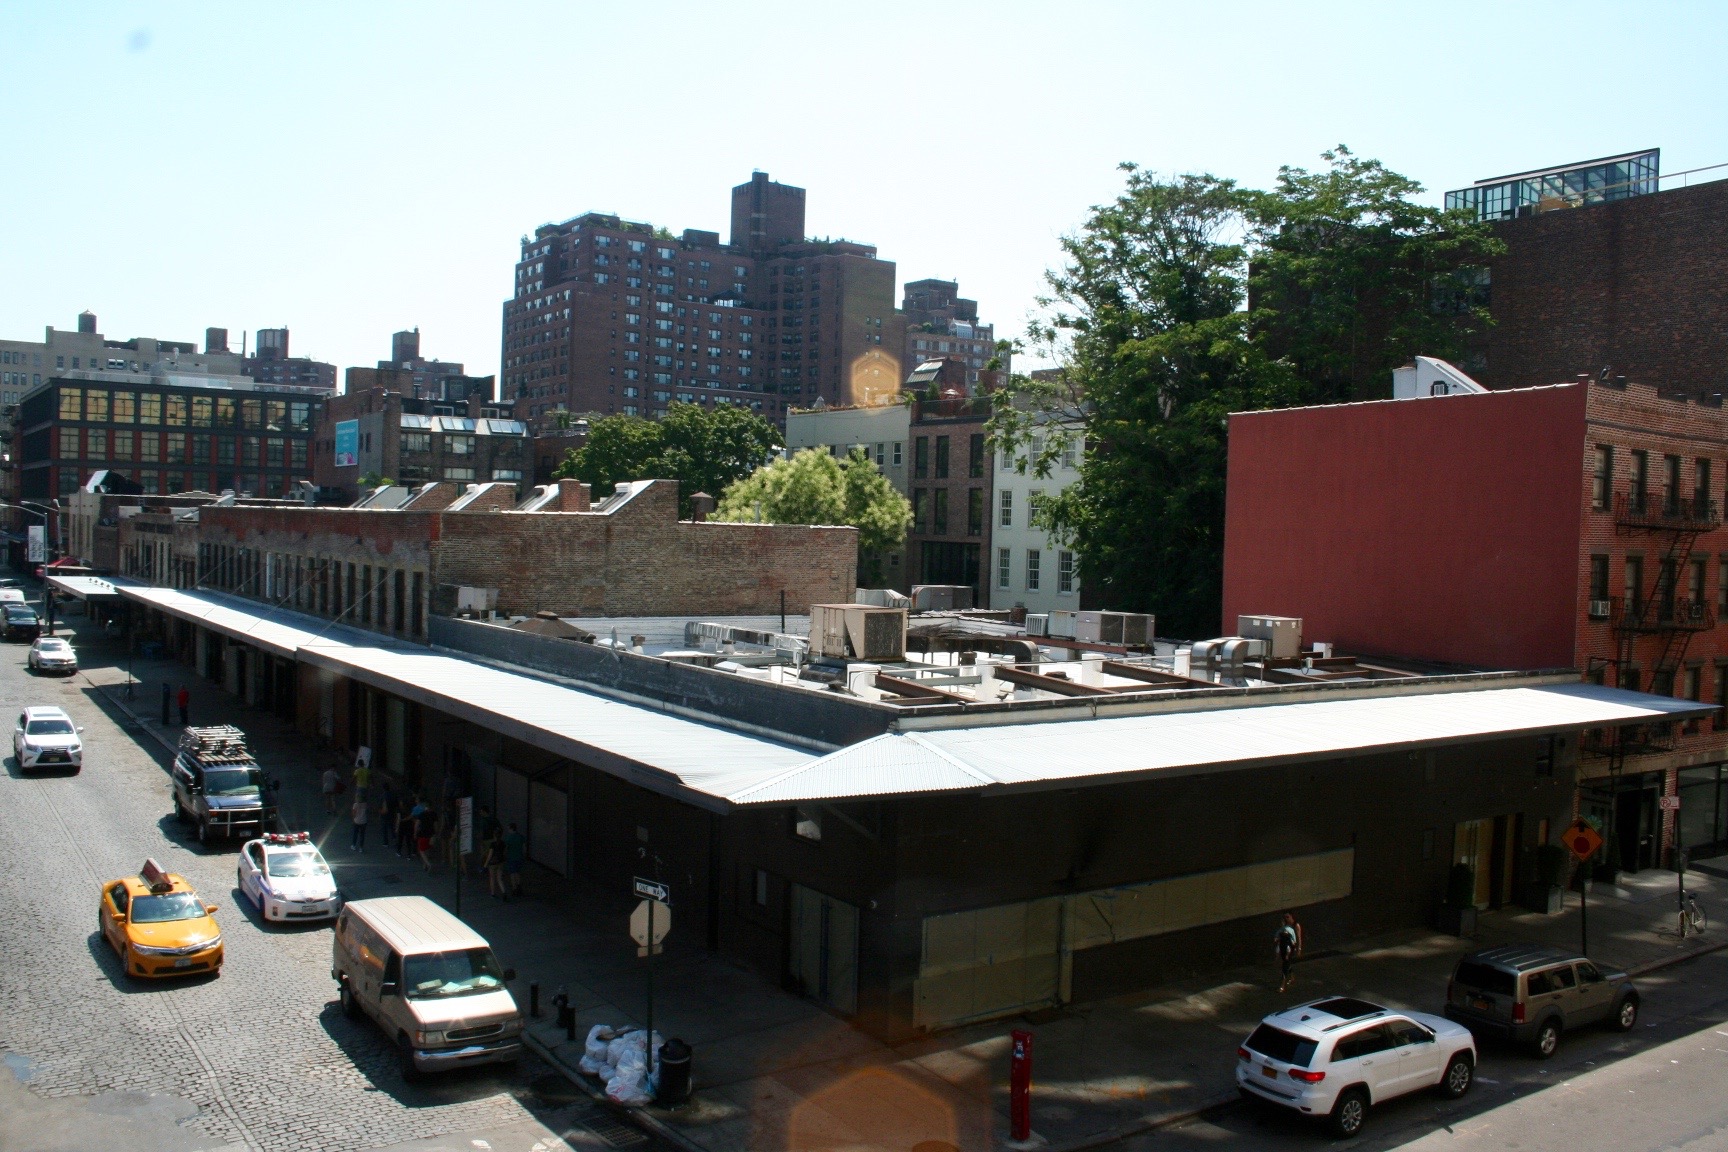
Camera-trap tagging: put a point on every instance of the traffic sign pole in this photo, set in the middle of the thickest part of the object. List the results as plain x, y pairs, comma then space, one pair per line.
1584, 842
649, 1043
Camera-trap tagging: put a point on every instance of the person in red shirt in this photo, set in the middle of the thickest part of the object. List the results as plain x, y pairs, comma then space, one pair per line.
185, 701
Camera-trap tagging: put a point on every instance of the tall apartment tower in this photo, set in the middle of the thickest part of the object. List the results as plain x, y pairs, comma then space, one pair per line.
617, 316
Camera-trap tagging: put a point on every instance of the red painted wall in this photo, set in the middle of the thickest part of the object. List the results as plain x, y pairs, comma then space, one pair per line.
1442, 529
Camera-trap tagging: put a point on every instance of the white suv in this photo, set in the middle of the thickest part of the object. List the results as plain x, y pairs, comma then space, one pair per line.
46, 736
1334, 1058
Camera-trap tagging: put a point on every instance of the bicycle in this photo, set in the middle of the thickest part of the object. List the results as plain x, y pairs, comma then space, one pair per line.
1691, 916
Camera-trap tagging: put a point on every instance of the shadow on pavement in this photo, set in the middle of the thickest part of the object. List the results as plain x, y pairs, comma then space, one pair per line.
103, 953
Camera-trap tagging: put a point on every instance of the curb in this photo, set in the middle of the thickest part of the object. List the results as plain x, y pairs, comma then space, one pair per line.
1670, 961
1146, 1124
640, 1115
115, 699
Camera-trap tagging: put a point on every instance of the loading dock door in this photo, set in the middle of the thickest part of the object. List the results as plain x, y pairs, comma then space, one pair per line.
824, 961
988, 962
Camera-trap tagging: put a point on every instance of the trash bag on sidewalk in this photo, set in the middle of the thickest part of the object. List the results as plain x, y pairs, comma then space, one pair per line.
594, 1051
628, 1085
631, 1041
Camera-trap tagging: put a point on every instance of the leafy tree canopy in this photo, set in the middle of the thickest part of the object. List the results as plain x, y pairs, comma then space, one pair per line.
1191, 297
814, 488
705, 450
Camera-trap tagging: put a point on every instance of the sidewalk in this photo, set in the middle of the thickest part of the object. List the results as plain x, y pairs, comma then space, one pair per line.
773, 1071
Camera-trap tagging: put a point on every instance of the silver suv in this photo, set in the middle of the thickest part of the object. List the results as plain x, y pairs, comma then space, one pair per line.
1530, 994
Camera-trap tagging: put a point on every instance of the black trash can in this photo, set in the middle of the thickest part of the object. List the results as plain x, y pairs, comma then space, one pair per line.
673, 1064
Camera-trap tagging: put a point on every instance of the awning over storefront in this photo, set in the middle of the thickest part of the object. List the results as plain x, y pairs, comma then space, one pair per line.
91, 589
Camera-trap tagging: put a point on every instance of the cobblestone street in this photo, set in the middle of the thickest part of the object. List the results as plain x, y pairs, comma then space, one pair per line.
262, 1052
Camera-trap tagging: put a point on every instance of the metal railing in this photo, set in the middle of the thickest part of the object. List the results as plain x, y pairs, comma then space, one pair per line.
1657, 614
1649, 509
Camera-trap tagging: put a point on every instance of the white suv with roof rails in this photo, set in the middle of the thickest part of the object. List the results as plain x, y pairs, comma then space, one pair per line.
1335, 1058
45, 736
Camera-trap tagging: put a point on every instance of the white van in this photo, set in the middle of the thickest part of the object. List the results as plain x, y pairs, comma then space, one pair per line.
430, 981
12, 596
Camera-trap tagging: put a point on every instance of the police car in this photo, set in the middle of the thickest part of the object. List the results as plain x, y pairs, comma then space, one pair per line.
285, 875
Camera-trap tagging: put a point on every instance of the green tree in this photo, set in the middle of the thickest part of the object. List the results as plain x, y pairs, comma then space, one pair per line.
814, 488
705, 450
1149, 319
1351, 276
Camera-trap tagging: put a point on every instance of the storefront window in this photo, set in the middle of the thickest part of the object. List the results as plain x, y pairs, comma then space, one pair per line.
1701, 804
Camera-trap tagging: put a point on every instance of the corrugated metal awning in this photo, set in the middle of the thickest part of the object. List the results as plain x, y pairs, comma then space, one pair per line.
1065, 753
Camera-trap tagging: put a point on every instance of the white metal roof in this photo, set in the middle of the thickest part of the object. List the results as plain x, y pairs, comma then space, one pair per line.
716, 767
279, 632
83, 587
1053, 753
660, 750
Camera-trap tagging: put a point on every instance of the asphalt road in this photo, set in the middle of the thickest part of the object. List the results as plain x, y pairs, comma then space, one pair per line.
259, 1057
1659, 1086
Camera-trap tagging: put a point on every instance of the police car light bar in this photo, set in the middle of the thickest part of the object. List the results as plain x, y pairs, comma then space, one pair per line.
287, 837
155, 877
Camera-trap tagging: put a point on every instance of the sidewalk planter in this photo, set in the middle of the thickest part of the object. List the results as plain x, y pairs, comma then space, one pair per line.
1458, 921
1547, 899
1546, 892
1458, 912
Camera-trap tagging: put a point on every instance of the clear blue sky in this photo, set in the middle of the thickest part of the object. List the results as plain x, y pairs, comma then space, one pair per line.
351, 169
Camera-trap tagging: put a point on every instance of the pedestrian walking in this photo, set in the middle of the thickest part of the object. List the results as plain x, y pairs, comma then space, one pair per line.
406, 815
1287, 943
185, 701
384, 812
485, 828
331, 785
515, 855
493, 862
362, 770
359, 814
424, 826
167, 694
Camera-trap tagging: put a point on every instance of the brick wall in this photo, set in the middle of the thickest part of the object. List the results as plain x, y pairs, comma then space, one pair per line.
636, 559
1638, 285
640, 559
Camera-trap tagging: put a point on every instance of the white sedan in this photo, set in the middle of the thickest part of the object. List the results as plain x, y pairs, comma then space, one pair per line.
52, 654
286, 876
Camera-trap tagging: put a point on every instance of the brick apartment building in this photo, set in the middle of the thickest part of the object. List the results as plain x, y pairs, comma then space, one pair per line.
1576, 525
387, 425
941, 323
1604, 270
271, 364
951, 472
616, 316
389, 568
164, 431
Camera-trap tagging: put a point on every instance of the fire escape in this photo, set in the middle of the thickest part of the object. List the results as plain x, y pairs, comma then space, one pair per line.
1662, 623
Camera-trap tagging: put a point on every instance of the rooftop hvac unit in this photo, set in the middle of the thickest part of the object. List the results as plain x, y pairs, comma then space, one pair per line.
1062, 624
1089, 627
941, 597
1037, 624
1131, 629
477, 600
1283, 634
858, 632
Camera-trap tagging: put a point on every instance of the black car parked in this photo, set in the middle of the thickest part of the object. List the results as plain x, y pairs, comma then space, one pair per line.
21, 622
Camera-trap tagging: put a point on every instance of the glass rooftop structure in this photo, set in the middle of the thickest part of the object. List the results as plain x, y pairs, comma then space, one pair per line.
1571, 186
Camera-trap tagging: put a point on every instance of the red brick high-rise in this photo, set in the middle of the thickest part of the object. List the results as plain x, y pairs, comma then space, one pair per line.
611, 315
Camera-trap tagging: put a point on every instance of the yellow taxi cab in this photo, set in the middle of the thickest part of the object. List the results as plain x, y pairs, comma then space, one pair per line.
158, 925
